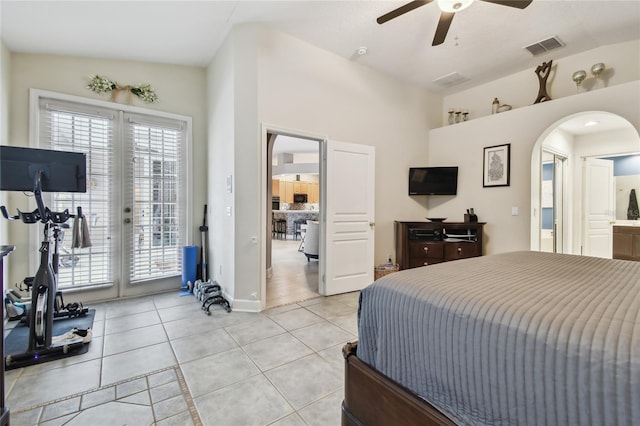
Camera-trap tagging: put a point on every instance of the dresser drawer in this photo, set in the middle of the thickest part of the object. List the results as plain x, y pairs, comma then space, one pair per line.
454, 251
426, 250
425, 253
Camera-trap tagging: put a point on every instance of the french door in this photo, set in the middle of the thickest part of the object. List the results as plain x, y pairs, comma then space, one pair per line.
135, 206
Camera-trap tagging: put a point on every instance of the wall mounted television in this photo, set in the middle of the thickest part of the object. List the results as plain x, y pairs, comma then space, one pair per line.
433, 180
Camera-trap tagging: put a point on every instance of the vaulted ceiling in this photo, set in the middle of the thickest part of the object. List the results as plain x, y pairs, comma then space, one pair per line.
485, 40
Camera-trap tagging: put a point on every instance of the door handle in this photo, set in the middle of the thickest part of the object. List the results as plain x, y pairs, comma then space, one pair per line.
127, 220
372, 225
127, 209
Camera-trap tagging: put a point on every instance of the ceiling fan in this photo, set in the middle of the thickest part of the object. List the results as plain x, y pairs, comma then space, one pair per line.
448, 8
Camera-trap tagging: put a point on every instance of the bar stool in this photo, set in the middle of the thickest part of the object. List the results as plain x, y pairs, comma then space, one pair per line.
281, 228
297, 227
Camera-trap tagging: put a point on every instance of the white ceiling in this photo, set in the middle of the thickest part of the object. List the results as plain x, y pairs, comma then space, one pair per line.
485, 41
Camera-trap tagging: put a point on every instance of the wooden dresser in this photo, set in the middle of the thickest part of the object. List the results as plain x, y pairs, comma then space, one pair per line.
426, 243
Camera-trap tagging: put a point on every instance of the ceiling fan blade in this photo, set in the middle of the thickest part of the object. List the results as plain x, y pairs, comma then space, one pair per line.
402, 10
520, 4
443, 28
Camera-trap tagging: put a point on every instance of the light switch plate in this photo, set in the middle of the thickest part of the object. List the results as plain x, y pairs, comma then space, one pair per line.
514, 211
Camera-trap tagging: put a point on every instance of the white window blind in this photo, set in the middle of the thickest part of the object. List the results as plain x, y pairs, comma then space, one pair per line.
136, 192
78, 128
155, 151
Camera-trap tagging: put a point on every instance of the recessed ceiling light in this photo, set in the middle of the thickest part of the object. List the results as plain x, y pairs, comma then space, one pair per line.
361, 51
591, 123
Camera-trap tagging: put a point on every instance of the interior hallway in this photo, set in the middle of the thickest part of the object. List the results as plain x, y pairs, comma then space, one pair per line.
294, 278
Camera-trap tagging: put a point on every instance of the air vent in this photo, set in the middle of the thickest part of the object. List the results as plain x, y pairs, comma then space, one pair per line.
544, 46
450, 80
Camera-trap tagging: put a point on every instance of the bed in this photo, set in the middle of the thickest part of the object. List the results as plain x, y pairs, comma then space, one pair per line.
523, 338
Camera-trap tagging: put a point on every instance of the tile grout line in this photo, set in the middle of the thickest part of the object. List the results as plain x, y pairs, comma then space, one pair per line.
195, 416
88, 391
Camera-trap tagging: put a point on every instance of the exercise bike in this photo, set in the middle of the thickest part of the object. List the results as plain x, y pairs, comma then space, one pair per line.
18, 307
44, 287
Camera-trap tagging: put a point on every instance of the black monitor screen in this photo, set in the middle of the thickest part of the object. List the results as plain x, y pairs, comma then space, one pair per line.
433, 180
60, 171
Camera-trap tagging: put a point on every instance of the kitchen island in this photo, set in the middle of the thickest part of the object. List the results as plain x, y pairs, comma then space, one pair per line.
292, 215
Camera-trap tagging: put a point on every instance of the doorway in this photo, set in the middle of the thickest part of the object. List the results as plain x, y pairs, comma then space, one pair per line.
294, 211
563, 150
552, 203
136, 204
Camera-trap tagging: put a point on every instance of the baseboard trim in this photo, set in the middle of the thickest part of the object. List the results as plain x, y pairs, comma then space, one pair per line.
243, 305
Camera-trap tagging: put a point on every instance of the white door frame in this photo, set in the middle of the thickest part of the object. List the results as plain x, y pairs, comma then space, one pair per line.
265, 183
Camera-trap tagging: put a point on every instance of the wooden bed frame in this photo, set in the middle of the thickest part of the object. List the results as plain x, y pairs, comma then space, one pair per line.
371, 398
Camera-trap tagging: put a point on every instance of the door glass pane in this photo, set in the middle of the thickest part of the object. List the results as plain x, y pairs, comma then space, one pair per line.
156, 218
91, 135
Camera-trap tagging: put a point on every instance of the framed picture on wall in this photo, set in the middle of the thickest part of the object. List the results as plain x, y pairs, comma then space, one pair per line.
497, 165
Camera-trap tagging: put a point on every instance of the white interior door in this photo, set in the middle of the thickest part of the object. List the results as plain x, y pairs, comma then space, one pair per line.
598, 207
347, 240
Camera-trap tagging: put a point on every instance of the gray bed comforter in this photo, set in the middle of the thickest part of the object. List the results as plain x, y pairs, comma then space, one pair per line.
523, 338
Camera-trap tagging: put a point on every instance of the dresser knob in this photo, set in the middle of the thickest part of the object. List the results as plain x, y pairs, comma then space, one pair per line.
459, 250
425, 263
426, 249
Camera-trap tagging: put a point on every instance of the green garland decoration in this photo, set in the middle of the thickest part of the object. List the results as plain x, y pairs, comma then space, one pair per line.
101, 85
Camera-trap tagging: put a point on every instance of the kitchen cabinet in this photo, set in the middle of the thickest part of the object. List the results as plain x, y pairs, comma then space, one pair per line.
428, 243
626, 243
314, 192
286, 188
299, 187
288, 191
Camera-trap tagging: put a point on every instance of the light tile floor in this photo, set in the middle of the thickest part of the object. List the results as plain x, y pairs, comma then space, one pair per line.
159, 360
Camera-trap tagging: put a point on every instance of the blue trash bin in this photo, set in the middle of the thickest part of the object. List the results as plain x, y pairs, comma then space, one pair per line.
189, 264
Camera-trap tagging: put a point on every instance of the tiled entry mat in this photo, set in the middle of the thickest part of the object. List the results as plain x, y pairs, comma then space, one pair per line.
160, 398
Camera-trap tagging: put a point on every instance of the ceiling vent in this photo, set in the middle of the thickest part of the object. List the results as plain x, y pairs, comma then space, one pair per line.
450, 80
544, 46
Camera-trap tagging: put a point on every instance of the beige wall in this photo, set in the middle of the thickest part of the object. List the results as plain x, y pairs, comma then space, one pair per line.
462, 145
286, 84
520, 89
221, 130
181, 91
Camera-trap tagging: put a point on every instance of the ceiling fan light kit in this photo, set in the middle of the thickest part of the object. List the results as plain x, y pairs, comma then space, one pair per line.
452, 6
448, 9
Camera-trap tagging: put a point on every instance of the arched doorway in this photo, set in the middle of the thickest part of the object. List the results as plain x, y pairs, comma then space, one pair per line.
558, 186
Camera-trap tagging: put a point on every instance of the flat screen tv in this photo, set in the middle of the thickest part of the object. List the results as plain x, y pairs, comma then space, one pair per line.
433, 180
59, 171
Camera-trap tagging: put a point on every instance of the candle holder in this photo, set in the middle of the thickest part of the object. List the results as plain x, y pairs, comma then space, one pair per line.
458, 116
451, 118
465, 114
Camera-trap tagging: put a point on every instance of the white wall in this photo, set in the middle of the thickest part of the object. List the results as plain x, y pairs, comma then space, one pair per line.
462, 144
518, 90
181, 90
301, 88
5, 94
221, 116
